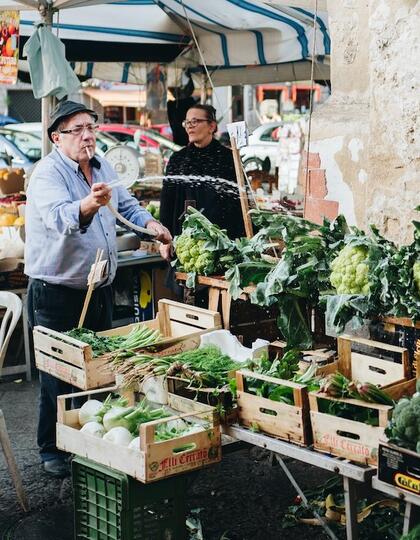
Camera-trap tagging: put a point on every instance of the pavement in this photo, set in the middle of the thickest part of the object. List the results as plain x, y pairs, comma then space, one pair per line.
242, 498
49, 499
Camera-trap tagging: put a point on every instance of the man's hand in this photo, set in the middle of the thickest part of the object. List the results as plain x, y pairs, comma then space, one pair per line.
166, 251
100, 195
162, 233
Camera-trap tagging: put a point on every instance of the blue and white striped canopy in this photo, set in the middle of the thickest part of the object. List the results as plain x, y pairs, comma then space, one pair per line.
133, 31
239, 40
235, 33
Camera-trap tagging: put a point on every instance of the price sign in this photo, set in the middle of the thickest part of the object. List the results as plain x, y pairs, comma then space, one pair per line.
98, 272
239, 131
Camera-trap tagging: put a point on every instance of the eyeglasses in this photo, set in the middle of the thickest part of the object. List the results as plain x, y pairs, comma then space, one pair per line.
194, 122
78, 130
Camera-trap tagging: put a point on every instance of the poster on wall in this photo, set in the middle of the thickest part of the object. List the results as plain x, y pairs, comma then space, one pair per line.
9, 46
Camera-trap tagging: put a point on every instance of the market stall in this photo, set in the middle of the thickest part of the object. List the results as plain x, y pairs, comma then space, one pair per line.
334, 415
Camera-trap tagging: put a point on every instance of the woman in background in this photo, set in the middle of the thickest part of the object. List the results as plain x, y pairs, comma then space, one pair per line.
204, 156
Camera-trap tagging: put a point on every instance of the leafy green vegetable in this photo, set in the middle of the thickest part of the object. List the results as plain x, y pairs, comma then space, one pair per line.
404, 426
414, 534
140, 336
203, 248
204, 367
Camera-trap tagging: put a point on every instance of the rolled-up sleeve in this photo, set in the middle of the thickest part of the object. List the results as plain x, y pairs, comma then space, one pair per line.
53, 201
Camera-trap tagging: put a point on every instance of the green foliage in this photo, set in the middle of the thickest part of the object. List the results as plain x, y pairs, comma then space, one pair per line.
404, 426
203, 248
206, 366
303, 270
140, 336
414, 534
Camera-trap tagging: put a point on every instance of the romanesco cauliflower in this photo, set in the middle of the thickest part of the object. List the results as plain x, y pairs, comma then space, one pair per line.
192, 255
350, 271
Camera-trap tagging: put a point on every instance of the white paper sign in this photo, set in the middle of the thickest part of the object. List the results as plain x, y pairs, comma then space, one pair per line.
239, 131
97, 274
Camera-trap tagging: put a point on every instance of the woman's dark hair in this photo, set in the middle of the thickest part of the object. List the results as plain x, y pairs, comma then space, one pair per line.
209, 110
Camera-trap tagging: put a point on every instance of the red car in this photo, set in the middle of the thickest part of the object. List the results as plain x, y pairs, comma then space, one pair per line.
125, 133
163, 129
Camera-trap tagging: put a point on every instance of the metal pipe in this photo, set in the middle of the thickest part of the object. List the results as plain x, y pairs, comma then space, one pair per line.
46, 12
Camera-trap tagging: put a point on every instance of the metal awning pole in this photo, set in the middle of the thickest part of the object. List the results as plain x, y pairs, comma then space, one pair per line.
46, 12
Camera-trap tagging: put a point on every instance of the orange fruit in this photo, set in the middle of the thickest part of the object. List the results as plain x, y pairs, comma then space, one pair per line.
7, 220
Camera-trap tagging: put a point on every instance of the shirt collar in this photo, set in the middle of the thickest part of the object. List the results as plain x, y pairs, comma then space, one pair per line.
74, 164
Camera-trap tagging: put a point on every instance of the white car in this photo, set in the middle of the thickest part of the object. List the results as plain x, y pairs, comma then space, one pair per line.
104, 141
263, 148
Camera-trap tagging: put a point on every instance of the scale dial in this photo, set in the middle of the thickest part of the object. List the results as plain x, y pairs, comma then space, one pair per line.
125, 162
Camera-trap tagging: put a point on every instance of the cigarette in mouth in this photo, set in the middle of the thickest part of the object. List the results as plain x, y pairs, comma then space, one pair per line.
88, 152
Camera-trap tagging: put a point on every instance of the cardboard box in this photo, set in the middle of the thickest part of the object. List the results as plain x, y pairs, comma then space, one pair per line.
399, 467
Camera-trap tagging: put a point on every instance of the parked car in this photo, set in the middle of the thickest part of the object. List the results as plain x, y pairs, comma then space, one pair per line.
19, 149
163, 129
263, 148
104, 141
145, 138
125, 133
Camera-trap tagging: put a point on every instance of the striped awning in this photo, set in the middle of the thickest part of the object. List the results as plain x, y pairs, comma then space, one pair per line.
240, 41
233, 33
129, 31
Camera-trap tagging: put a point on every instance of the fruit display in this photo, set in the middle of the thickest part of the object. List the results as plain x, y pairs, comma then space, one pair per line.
9, 36
7, 220
154, 209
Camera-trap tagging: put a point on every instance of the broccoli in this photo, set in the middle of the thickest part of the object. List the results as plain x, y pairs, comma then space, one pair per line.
404, 427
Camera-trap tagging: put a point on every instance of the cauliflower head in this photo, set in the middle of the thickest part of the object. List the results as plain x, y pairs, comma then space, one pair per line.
350, 271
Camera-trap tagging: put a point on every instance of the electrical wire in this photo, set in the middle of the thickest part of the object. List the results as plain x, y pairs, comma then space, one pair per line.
200, 52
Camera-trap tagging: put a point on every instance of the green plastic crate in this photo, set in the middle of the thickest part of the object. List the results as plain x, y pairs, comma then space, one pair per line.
109, 505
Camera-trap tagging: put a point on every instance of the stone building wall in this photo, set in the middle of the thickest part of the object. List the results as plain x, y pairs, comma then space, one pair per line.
367, 133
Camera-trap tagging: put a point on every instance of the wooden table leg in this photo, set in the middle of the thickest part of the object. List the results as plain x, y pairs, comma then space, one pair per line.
214, 295
226, 303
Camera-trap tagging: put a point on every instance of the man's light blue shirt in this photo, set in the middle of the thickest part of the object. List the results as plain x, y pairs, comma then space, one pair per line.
58, 249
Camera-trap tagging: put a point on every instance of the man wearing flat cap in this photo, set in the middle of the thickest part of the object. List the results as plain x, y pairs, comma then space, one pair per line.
66, 223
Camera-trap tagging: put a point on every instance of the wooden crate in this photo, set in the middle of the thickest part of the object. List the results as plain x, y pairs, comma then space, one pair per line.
154, 460
72, 360
365, 368
220, 398
349, 438
288, 422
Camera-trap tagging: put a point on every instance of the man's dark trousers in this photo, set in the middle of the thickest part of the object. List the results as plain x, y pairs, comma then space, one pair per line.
59, 308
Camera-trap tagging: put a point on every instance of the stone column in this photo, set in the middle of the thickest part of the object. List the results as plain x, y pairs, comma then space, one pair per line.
394, 109
366, 134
